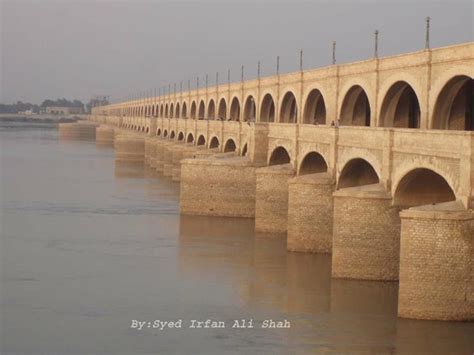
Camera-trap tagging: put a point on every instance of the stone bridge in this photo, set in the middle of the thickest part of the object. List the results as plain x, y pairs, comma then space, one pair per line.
371, 161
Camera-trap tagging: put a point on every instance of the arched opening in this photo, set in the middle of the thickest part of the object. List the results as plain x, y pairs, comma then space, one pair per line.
147, 130
289, 109
279, 156
162, 111
244, 150
357, 172
355, 109
230, 146
177, 113
184, 112
211, 110
249, 109
214, 143
171, 111
315, 108
172, 135
158, 132
267, 110
422, 187
190, 138
313, 163
202, 110
180, 136
165, 133
193, 110
455, 105
235, 110
201, 140
400, 107
222, 113
167, 111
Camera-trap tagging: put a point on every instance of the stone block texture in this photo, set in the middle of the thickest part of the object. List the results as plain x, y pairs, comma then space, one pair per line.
310, 213
366, 237
217, 187
271, 204
436, 265
130, 148
104, 136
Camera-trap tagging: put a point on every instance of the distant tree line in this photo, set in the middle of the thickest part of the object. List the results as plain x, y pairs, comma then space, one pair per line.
62, 103
20, 106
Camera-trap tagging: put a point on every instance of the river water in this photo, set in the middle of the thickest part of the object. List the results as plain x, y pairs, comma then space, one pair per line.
88, 247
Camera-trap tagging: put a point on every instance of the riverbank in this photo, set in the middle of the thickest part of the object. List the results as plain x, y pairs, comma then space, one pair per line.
13, 117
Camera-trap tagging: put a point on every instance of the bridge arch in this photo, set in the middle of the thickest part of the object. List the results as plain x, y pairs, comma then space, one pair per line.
201, 140
158, 132
289, 108
357, 172
180, 136
202, 110
190, 138
267, 109
222, 112
165, 133
211, 110
184, 110
161, 111
193, 110
400, 107
422, 186
171, 111
147, 130
454, 105
249, 109
230, 146
279, 156
244, 151
235, 109
167, 111
355, 109
177, 112
315, 108
172, 135
313, 163
214, 143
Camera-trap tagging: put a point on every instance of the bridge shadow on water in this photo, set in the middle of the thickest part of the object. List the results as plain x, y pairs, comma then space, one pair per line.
327, 314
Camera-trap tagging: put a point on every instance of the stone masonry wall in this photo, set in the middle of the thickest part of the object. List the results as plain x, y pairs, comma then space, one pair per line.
366, 235
310, 213
436, 265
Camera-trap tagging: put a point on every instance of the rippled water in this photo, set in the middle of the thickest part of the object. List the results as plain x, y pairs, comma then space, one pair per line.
87, 247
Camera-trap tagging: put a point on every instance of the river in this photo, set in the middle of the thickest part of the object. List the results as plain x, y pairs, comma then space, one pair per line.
88, 249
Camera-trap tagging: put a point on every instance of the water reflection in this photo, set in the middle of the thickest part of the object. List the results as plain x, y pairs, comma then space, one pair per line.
334, 315
89, 244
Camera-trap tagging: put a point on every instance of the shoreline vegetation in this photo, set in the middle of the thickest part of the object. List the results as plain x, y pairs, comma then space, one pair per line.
39, 118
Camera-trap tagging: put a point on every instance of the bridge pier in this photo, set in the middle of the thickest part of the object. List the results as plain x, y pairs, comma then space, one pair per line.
436, 263
149, 149
161, 154
310, 213
271, 198
218, 186
130, 148
104, 136
84, 131
366, 234
179, 153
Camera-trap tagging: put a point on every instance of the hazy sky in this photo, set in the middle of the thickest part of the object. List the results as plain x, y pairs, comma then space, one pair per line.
76, 49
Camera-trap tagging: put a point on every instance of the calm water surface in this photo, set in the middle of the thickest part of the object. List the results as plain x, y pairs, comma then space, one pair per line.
88, 246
